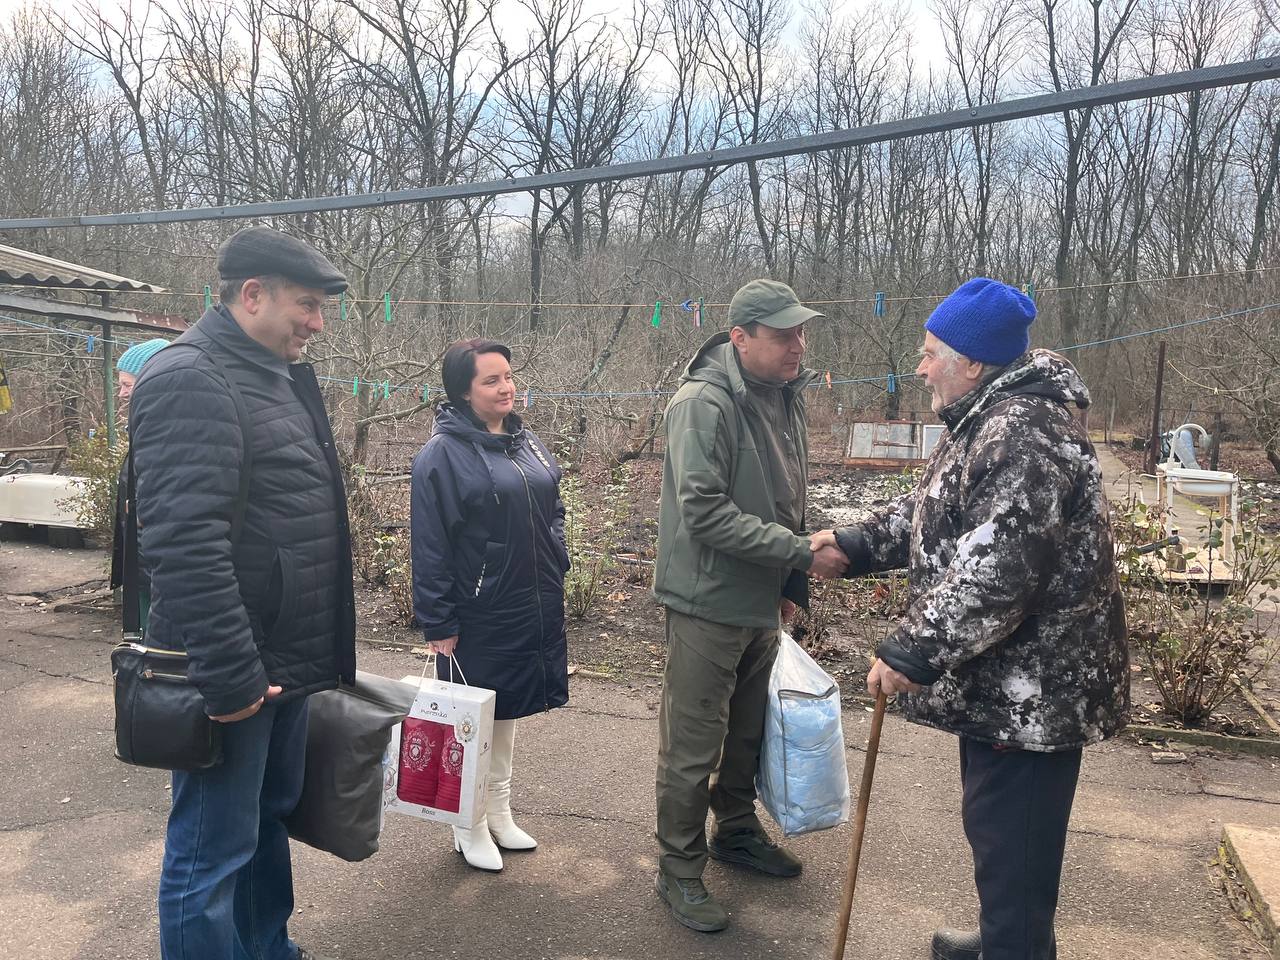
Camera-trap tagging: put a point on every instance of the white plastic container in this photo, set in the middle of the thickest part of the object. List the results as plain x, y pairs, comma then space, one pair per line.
39, 498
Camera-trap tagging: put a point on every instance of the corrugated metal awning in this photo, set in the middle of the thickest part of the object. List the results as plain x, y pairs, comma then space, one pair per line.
26, 269
84, 313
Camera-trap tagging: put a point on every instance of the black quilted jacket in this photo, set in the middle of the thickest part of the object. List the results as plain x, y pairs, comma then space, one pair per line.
1016, 622
280, 607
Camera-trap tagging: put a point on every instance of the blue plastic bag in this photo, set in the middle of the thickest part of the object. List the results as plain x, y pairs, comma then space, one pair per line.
803, 781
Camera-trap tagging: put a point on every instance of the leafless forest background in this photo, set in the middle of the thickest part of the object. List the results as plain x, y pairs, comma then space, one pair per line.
1121, 219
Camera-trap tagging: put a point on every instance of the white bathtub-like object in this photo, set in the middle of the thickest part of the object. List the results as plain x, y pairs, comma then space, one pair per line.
1200, 483
39, 498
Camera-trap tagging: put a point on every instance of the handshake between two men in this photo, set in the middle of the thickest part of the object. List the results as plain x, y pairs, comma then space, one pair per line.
1016, 625
829, 562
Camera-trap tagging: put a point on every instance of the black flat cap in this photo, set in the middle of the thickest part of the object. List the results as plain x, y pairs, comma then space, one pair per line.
261, 251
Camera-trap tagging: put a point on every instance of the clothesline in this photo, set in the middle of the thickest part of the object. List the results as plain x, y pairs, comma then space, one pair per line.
890, 380
877, 298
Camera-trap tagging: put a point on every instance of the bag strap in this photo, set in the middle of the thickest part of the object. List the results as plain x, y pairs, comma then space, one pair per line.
246, 445
435, 670
132, 620
536, 446
129, 575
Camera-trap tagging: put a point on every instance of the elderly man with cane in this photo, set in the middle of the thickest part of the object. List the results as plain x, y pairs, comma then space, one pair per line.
1014, 637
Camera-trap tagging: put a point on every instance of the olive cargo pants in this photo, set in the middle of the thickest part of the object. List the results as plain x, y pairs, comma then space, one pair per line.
714, 692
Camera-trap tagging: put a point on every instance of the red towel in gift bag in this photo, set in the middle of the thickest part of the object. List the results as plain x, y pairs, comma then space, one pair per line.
421, 744
449, 789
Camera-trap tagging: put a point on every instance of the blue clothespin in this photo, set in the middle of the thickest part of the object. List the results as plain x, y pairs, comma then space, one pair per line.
89, 345
686, 306
893, 383
879, 308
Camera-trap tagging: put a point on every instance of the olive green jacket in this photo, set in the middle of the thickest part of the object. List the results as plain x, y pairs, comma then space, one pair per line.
721, 554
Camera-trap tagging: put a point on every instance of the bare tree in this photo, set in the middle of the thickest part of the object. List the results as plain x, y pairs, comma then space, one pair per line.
743, 45
128, 47
1082, 51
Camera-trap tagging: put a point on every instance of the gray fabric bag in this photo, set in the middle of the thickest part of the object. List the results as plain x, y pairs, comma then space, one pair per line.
348, 731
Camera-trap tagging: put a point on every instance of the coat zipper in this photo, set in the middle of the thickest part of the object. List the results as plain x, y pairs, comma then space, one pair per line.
537, 587
480, 579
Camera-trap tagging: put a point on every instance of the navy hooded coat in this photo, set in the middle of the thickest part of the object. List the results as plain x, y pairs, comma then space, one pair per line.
489, 560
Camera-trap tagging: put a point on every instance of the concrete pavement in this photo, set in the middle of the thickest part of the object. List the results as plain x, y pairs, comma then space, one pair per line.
81, 836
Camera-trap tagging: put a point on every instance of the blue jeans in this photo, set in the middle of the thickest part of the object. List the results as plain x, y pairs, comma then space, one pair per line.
226, 888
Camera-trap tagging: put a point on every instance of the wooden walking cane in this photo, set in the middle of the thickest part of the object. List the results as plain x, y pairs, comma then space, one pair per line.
859, 826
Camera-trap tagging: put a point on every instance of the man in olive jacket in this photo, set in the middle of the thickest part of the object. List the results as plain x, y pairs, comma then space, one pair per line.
729, 542
1014, 638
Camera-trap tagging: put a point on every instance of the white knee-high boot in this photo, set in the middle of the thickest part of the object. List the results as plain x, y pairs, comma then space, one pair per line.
477, 847
503, 828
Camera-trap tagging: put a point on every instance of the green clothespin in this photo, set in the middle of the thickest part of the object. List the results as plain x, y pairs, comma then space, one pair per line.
208, 296
1031, 292
386, 389
426, 392
342, 306
355, 387
657, 313
386, 307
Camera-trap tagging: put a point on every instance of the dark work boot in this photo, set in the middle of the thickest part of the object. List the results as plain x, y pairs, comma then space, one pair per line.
691, 903
753, 848
957, 945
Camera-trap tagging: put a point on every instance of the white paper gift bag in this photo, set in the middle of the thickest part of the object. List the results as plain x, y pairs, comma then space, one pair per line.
438, 759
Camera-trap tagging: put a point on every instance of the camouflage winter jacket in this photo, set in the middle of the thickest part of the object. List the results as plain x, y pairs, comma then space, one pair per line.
1016, 623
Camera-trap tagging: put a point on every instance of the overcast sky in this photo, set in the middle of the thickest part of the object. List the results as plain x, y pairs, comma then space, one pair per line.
927, 42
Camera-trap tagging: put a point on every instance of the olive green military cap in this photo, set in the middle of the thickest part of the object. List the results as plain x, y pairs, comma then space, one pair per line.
771, 303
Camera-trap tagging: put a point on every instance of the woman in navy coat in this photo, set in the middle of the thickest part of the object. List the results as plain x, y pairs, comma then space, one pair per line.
489, 561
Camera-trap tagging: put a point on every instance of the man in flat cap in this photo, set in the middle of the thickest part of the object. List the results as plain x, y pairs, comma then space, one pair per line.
729, 546
243, 527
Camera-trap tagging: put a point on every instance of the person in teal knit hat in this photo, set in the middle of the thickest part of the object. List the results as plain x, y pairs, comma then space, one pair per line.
130, 364
128, 369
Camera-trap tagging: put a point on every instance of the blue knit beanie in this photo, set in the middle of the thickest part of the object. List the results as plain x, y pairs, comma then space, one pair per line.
131, 360
984, 320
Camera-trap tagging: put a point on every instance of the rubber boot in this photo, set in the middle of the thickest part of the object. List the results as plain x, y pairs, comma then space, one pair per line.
501, 825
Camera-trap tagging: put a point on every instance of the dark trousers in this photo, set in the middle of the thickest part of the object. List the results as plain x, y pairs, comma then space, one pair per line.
1015, 810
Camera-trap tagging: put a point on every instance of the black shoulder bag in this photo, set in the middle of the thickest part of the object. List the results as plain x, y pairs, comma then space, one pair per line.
160, 716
